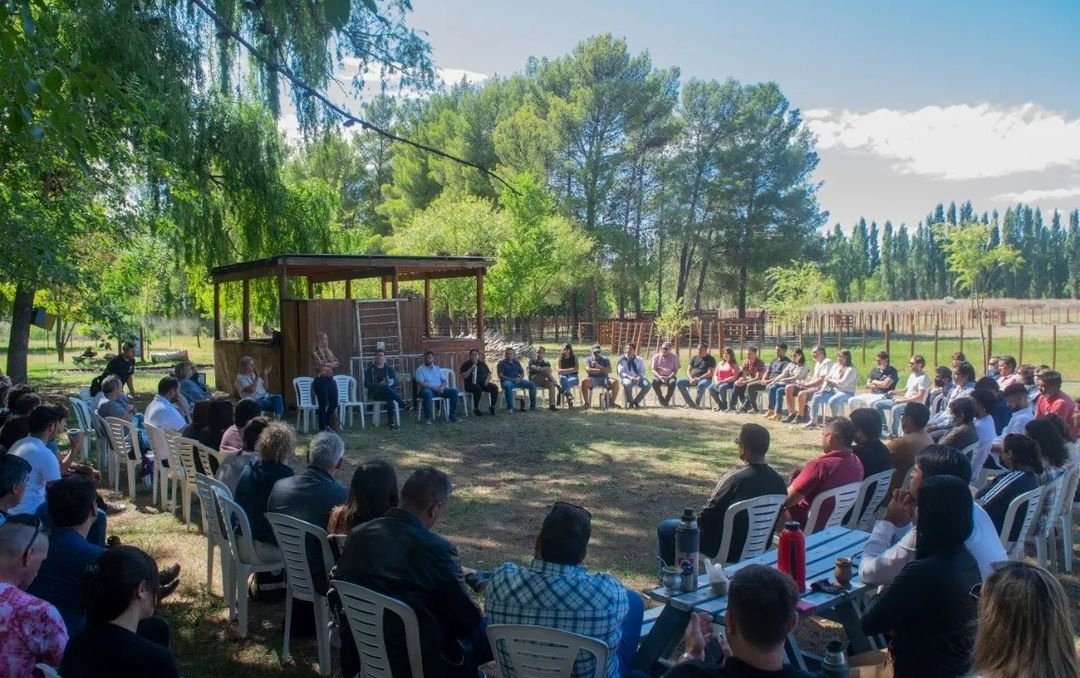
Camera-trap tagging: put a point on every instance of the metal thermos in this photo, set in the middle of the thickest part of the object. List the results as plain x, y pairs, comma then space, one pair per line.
687, 545
834, 663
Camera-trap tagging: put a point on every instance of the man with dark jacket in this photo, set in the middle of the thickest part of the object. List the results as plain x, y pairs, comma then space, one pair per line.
313, 494
398, 555
756, 478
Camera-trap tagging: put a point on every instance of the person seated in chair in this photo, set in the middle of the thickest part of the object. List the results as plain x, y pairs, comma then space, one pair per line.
275, 446
541, 374
1023, 462
556, 591
756, 478
430, 384
699, 375
168, 408
752, 374
14, 472
512, 377
665, 373
631, 369
598, 375
250, 384
113, 404
190, 388
760, 615
837, 466
380, 380
476, 379
963, 433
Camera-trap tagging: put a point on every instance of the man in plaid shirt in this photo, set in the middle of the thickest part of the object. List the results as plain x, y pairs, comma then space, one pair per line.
556, 591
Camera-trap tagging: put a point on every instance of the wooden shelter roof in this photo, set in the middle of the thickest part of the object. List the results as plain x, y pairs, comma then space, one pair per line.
334, 267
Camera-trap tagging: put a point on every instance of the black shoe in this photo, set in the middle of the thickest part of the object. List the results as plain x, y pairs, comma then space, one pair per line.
169, 574
478, 413
112, 509
492, 410
166, 590
791, 418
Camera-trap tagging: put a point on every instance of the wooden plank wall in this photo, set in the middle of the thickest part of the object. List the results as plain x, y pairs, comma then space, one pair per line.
413, 325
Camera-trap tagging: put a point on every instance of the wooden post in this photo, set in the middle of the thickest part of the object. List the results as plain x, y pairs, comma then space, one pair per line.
394, 285
1053, 348
247, 310
742, 340
989, 343
937, 329
839, 336
217, 311
863, 341
720, 335
427, 305
480, 305
310, 289
961, 349
348, 289
1020, 350
888, 337
821, 331
911, 326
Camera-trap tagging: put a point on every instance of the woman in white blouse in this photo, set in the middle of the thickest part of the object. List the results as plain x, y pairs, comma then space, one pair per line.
838, 388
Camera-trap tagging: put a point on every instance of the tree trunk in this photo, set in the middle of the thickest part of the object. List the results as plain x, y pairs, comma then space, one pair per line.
743, 277
22, 313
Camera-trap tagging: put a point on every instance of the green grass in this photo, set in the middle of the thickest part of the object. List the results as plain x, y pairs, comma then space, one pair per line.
630, 468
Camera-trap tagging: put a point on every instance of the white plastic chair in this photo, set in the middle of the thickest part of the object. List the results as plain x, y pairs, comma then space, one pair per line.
541, 652
451, 378
204, 454
364, 609
101, 433
1057, 517
876, 487
978, 460
162, 489
124, 440
215, 530
184, 449
348, 400
844, 497
245, 562
81, 411
305, 401
437, 402
1023, 510
292, 535
762, 513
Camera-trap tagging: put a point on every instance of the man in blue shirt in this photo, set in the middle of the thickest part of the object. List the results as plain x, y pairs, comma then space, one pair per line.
556, 591
431, 384
512, 376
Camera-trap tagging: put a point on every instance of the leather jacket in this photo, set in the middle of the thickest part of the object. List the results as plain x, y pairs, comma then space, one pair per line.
397, 556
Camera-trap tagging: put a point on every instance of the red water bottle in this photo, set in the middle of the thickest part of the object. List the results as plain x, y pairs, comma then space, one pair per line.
791, 555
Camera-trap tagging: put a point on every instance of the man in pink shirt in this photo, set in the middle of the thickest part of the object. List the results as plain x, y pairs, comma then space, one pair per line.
1053, 401
665, 370
836, 466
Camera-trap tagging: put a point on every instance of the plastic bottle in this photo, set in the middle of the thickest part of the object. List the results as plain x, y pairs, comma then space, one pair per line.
791, 554
834, 663
687, 544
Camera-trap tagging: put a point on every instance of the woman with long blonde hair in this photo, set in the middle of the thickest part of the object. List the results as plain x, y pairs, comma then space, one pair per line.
1025, 629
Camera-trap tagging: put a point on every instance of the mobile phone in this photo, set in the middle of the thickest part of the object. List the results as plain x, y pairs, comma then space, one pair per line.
825, 586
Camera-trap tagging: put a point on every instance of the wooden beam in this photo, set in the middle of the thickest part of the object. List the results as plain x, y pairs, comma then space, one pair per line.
383, 287
394, 284
247, 311
480, 307
427, 306
310, 288
217, 311
348, 288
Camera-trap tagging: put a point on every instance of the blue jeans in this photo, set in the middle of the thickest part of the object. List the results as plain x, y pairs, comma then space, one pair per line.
326, 395
272, 402
629, 386
834, 399
568, 382
631, 632
684, 388
509, 387
722, 395
886, 405
450, 394
776, 397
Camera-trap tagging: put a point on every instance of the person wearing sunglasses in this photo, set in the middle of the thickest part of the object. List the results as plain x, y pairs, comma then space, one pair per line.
31, 630
1025, 626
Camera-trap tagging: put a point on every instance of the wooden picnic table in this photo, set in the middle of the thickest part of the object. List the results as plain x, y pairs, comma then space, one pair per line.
822, 549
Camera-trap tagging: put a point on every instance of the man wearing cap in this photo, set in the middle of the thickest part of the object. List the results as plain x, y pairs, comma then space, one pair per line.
597, 373
665, 369
1016, 397
556, 591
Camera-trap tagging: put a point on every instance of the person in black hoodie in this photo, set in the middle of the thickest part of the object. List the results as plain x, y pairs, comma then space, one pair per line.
928, 610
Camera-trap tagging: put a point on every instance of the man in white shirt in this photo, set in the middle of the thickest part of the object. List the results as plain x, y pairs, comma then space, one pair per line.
167, 409
45, 422
892, 541
431, 384
1016, 397
985, 402
915, 391
798, 393
631, 369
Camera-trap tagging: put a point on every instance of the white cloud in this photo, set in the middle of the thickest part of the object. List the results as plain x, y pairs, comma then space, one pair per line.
1038, 195
955, 142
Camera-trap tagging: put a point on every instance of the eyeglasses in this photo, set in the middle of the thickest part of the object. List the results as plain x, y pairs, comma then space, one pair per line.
37, 531
976, 591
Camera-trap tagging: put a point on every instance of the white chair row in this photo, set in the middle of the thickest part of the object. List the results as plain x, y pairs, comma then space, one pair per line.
1056, 519
349, 400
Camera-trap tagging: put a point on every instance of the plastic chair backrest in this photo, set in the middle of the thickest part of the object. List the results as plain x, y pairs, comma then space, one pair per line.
82, 413
346, 388
1024, 509
969, 453
302, 387
937, 403
184, 449
844, 498
124, 436
47, 671
876, 487
979, 456
762, 513
291, 534
542, 652
205, 486
364, 609
205, 453
1070, 481
450, 376
158, 442
237, 528
101, 428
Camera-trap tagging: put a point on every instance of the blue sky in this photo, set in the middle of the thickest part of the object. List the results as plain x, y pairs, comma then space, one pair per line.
914, 103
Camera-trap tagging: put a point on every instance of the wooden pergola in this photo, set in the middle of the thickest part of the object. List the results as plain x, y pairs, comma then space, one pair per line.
302, 317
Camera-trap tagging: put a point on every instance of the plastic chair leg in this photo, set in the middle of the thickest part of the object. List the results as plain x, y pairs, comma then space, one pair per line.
288, 625
242, 575
322, 620
209, 564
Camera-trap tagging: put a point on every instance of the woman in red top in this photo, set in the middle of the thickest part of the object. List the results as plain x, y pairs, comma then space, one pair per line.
727, 371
